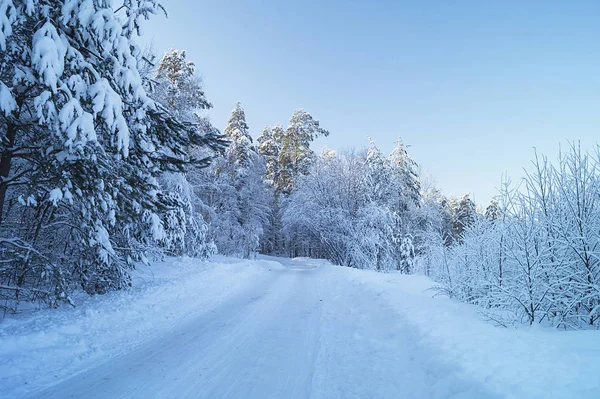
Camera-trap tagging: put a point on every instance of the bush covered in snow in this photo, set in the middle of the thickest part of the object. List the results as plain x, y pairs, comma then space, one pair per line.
535, 255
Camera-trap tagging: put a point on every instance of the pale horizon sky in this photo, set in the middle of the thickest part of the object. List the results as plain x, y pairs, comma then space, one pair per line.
472, 87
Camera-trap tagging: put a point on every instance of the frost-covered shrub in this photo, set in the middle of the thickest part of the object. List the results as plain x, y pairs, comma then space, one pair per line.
536, 258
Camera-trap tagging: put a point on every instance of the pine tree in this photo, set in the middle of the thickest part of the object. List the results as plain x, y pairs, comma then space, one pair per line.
269, 146
240, 147
240, 196
407, 255
378, 177
492, 212
296, 156
82, 146
465, 214
177, 87
405, 177
447, 209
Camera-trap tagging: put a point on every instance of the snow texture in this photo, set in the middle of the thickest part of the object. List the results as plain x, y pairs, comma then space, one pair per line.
286, 328
7, 102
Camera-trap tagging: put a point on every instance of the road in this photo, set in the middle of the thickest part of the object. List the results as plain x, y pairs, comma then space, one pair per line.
302, 333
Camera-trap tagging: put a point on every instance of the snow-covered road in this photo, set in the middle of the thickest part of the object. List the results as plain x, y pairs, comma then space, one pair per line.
302, 332
285, 328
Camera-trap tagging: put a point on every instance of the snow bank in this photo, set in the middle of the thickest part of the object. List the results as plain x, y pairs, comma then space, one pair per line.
43, 347
529, 362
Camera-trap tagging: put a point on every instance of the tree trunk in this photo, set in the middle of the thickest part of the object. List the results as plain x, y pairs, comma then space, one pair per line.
5, 165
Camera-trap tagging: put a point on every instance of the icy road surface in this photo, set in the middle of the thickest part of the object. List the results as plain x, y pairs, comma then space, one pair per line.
299, 331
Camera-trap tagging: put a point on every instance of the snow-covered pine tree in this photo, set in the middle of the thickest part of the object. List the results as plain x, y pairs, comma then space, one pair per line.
82, 145
296, 156
429, 221
405, 179
241, 147
239, 194
492, 212
377, 176
178, 88
465, 213
407, 255
269, 145
405, 194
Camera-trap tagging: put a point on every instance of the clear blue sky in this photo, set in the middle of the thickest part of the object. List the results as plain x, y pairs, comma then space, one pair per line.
471, 86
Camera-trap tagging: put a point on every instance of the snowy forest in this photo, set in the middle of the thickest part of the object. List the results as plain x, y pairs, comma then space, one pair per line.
108, 160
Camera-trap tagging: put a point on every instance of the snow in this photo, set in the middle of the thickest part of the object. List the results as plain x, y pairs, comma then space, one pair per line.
7, 18
55, 196
7, 102
158, 231
48, 55
276, 327
69, 340
77, 124
528, 362
107, 102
